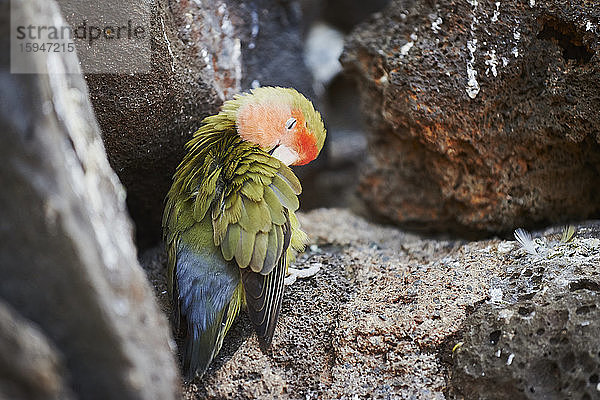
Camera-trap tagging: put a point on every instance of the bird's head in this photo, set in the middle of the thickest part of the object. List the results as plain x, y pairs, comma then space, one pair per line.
282, 122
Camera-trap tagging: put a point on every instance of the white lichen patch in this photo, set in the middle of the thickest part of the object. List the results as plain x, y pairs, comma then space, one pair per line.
517, 36
255, 28
435, 25
211, 33
510, 359
406, 48
506, 314
496, 12
496, 295
589, 27
492, 62
472, 87
505, 247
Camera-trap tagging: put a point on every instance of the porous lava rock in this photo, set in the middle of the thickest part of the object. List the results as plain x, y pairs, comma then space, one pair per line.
545, 349
538, 337
484, 114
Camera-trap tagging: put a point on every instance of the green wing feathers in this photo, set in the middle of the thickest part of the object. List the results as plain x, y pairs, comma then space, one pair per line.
248, 215
247, 192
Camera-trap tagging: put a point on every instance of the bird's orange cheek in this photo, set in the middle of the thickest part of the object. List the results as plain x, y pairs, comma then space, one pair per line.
307, 147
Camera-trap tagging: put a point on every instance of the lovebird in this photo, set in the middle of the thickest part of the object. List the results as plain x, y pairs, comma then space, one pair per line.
229, 223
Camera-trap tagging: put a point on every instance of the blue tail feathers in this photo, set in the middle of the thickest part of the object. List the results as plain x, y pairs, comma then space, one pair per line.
205, 287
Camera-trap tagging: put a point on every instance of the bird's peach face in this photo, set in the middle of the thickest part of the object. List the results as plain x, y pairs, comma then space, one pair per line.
303, 141
281, 131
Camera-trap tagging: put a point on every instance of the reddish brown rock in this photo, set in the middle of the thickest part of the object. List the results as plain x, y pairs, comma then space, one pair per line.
484, 114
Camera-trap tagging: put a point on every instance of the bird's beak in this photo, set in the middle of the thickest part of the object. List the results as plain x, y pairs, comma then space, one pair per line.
285, 154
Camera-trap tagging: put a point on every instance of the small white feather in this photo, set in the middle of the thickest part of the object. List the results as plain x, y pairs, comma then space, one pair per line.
525, 240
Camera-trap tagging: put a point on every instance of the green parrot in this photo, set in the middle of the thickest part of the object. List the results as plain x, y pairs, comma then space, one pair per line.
229, 224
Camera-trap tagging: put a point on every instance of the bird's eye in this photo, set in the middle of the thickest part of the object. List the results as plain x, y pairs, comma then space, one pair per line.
290, 124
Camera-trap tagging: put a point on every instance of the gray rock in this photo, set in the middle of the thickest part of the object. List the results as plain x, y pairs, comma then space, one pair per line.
482, 113
67, 258
539, 338
30, 366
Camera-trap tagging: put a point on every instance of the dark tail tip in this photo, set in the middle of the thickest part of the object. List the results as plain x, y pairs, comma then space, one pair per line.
189, 373
264, 342
196, 356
